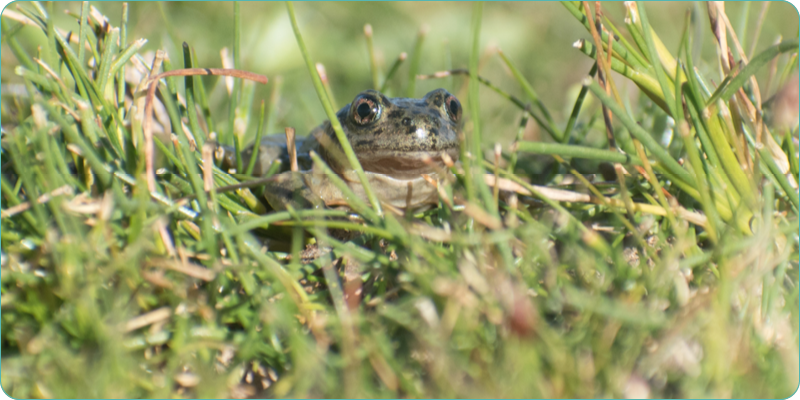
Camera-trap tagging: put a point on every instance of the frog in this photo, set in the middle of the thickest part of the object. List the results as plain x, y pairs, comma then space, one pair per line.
404, 146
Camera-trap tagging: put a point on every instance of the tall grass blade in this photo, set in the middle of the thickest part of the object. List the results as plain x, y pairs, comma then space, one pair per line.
337, 127
725, 92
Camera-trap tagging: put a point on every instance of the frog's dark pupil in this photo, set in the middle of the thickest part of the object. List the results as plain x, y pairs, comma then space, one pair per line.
454, 108
364, 110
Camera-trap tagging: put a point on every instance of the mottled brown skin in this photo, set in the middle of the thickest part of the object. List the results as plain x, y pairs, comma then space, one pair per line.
392, 139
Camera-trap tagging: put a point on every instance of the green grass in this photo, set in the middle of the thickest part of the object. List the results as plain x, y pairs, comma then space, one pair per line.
672, 271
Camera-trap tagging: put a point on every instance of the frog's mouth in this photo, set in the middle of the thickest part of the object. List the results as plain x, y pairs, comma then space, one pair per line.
401, 164
408, 163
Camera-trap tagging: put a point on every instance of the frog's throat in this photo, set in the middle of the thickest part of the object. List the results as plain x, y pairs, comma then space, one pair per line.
407, 163
412, 193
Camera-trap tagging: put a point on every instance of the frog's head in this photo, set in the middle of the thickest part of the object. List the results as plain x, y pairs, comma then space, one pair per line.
394, 136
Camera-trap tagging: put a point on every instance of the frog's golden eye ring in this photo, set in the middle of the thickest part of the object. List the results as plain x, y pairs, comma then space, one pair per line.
453, 108
365, 109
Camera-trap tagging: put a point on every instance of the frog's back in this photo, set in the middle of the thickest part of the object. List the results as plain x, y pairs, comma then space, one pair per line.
272, 147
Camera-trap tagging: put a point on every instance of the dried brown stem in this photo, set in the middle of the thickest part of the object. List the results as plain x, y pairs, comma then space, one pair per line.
292, 148
603, 72
11, 211
761, 16
148, 108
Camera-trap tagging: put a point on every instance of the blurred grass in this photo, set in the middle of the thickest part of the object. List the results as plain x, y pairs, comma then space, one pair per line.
673, 274
541, 33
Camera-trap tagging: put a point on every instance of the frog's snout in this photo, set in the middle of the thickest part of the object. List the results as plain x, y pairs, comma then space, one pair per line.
422, 126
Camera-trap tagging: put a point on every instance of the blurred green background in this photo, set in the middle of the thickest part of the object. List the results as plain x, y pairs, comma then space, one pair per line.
536, 36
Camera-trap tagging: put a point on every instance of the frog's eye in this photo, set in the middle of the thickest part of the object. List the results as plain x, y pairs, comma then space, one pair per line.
365, 109
453, 108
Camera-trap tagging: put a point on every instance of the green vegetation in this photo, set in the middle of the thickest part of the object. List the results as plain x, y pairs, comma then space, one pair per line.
666, 265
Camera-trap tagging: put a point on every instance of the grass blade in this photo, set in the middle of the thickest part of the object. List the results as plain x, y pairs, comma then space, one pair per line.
574, 151
661, 75
402, 57
413, 66
373, 63
664, 159
191, 108
331, 113
528, 89
725, 92
257, 143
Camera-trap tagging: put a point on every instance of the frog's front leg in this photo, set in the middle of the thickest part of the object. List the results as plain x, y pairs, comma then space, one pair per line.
291, 188
271, 148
